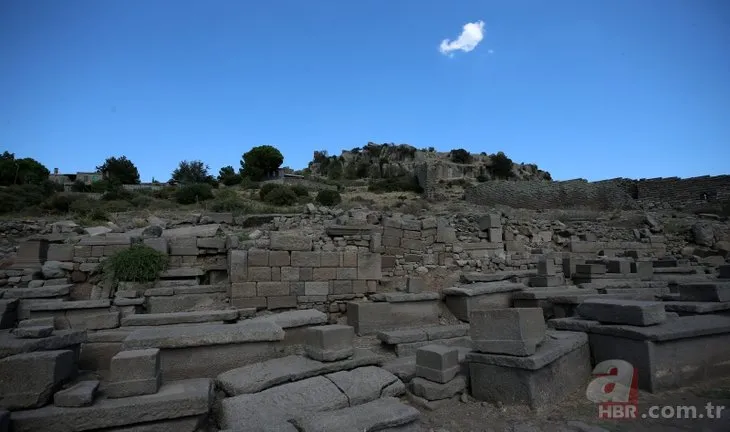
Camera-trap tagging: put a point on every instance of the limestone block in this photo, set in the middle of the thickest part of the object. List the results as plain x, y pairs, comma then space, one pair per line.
134, 373
279, 258
433, 391
60, 252
513, 331
369, 266
546, 266
330, 342
266, 289
305, 259
705, 292
158, 243
494, 234
258, 258
381, 414
243, 289
437, 363
620, 311
290, 242
590, 269
29, 380
491, 220
79, 395
183, 246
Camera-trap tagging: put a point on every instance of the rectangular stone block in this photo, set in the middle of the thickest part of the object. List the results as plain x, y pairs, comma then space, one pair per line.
330, 259
513, 331
705, 292
491, 220
324, 273
275, 274
135, 365
494, 235
342, 287
372, 317
415, 285
546, 266
158, 243
29, 380
619, 266
182, 246
281, 302
620, 311
305, 274
435, 391
368, 266
289, 241
590, 269
347, 273
316, 288
243, 289
138, 387
349, 259
258, 258
79, 395
266, 289
60, 252
290, 274
279, 258
330, 342
211, 243
437, 363
305, 259
644, 269
546, 281
259, 274
724, 271
249, 302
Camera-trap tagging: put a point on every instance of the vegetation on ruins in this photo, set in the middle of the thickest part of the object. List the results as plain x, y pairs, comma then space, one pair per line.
328, 198
139, 263
281, 196
119, 170
260, 161
460, 156
24, 171
191, 172
193, 193
228, 176
404, 183
501, 166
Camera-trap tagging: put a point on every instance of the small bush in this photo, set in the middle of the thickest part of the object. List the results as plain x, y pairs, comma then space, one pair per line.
117, 206
192, 193
59, 203
227, 201
300, 190
142, 201
139, 263
460, 156
268, 187
501, 166
396, 184
20, 197
281, 196
328, 197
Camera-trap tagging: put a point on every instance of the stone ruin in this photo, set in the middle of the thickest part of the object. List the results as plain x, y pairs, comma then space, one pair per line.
275, 332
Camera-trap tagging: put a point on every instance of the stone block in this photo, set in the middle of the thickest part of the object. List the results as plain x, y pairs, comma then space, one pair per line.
372, 317
546, 281
643, 269
279, 258
266, 289
415, 285
249, 302
349, 259
620, 311
494, 235
134, 373
330, 259
289, 241
60, 252
347, 273
342, 287
386, 414
559, 368
281, 302
78, 395
218, 243
324, 274
243, 289
29, 380
546, 266
33, 332
305, 274
445, 233
437, 363
590, 269
259, 274
724, 271
305, 259
491, 220
368, 266
183, 246
258, 258
330, 342
316, 288
705, 292
290, 274
618, 266
514, 331
432, 391
237, 266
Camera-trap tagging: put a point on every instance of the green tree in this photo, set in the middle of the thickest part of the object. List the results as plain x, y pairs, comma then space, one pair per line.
501, 166
21, 171
460, 156
119, 170
259, 161
192, 172
228, 176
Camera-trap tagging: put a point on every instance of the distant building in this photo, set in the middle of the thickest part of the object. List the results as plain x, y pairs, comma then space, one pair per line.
69, 179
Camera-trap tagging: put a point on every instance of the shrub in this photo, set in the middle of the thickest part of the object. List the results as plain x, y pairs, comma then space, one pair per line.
139, 263
501, 166
20, 197
328, 197
281, 196
460, 156
227, 201
300, 190
192, 193
405, 183
117, 206
141, 201
482, 178
268, 187
59, 203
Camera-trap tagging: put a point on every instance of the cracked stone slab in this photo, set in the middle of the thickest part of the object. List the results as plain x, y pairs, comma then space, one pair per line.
620, 311
261, 376
204, 335
179, 318
371, 416
482, 288
367, 383
59, 339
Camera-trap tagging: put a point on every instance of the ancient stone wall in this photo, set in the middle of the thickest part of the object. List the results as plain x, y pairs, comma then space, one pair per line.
546, 194
695, 190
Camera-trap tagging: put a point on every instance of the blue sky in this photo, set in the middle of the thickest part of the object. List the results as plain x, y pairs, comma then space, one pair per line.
584, 88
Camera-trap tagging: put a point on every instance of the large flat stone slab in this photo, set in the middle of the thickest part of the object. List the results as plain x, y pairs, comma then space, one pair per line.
59, 305
689, 307
29, 379
572, 324
209, 230
372, 416
367, 383
295, 318
482, 288
59, 339
204, 335
37, 293
372, 317
679, 328
475, 277
620, 311
556, 344
545, 293
174, 400
423, 334
179, 318
705, 292
261, 376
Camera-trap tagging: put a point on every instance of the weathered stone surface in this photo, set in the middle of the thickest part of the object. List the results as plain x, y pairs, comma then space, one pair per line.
514, 331
679, 328
57, 305
174, 400
402, 367
37, 322
295, 318
289, 241
407, 297
369, 266
33, 332
60, 339
572, 324
204, 334
260, 376
367, 383
181, 272
376, 415
329, 342
179, 318
482, 288
271, 408
437, 363
544, 293
372, 317
32, 293
209, 230
8, 313
409, 349
687, 307
619, 311
78, 395
705, 292
557, 344
432, 391
29, 380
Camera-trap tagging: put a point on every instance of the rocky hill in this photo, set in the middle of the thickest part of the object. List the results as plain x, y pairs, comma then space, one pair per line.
376, 161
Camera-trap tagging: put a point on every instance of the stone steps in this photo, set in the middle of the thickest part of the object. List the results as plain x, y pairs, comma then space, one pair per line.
180, 318
45, 292
379, 414
407, 341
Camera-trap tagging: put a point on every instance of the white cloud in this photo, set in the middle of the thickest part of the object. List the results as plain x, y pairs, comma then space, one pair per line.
469, 38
